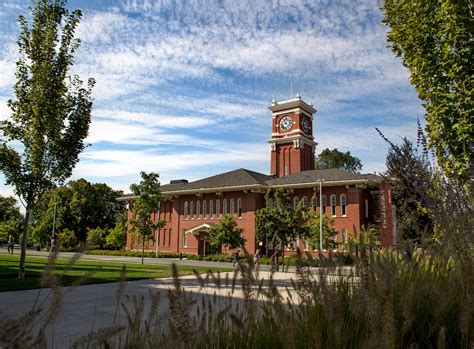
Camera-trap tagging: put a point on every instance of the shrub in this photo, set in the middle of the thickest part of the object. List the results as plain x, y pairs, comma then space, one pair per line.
117, 236
67, 239
96, 237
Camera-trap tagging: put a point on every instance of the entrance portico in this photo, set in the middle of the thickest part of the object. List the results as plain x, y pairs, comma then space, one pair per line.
202, 237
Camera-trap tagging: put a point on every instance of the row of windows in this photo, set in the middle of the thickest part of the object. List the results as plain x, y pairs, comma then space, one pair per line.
214, 211
314, 203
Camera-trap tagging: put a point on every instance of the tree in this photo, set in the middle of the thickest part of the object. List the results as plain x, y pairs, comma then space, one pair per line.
51, 111
146, 202
312, 225
434, 41
410, 177
280, 222
336, 159
80, 205
67, 239
96, 237
10, 218
117, 236
226, 233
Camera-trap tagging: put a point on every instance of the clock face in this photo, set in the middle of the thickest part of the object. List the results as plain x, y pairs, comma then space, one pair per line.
286, 123
305, 125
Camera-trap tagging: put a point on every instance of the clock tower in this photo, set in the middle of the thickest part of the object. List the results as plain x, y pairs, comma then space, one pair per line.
292, 144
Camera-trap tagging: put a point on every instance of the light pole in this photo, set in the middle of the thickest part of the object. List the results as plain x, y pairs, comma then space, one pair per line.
320, 216
54, 219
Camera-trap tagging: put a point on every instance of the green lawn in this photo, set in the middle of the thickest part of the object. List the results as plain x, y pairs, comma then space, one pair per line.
105, 271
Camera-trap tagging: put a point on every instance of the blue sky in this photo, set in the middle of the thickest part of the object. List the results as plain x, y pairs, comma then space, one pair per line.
183, 86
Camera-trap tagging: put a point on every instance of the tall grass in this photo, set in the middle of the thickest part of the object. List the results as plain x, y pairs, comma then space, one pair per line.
421, 299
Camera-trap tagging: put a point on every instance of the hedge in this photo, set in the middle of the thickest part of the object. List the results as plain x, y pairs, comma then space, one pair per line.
127, 253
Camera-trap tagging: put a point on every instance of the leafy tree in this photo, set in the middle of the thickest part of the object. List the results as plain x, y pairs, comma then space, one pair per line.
434, 41
410, 176
312, 225
51, 111
80, 205
226, 233
117, 236
96, 237
67, 239
10, 218
280, 223
147, 199
337, 159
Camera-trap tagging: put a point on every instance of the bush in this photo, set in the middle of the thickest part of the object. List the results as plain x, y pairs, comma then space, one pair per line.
117, 237
147, 254
67, 239
96, 237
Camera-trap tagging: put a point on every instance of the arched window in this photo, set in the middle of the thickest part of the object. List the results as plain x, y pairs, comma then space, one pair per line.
333, 205
211, 209
224, 207
185, 210
343, 204
198, 210
296, 201
204, 209
218, 208
231, 207
270, 203
191, 209
305, 202
314, 203
323, 204
239, 207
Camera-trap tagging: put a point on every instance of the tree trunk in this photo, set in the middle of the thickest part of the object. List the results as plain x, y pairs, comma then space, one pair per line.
21, 272
143, 248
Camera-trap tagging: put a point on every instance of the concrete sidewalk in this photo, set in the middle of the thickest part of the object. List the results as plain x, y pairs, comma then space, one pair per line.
91, 307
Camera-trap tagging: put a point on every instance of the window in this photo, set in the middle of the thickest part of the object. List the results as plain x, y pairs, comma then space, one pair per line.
224, 207
323, 204
191, 209
270, 203
169, 237
305, 202
231, 206
185, 210
343, 204
314, 203
333, 205
211, 209
163, 241
296, 200
198, 210
366, 208
239, 207
218, 208
204, 209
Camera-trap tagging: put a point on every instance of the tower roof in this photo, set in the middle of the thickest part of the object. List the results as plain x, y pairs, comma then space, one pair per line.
292, 103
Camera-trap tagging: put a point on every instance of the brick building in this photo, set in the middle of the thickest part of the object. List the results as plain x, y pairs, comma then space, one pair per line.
351, 199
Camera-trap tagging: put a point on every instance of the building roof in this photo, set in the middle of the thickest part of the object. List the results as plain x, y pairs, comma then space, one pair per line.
329, 176
243, 179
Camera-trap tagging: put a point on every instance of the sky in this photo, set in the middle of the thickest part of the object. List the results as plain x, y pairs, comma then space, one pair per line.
183, 87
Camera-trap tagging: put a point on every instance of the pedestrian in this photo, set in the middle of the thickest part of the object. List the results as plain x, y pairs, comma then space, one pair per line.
236, 258
52, 249
11, 244
256, 261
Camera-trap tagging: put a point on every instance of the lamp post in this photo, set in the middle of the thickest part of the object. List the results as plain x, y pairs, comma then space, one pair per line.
320, 216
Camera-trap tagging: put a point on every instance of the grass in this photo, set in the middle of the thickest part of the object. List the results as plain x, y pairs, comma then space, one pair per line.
102, 272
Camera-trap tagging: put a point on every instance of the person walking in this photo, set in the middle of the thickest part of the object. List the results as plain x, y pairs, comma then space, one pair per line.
11, 244
236, 258
52, 249
256, 261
